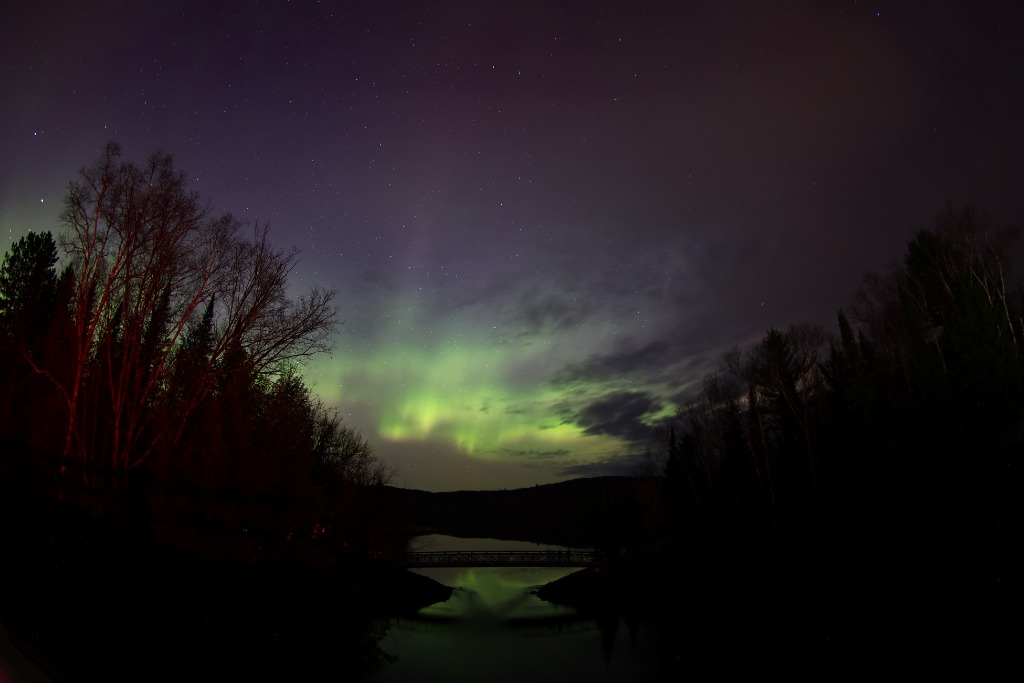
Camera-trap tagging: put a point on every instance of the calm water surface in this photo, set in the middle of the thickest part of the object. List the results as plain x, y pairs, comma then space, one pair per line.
494, 629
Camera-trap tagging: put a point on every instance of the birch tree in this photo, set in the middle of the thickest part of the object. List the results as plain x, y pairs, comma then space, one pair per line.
150, 261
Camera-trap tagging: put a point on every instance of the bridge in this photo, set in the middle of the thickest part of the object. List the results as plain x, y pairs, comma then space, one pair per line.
499, 558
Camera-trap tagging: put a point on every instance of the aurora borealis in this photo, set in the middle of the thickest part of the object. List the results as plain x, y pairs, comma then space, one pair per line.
545, 221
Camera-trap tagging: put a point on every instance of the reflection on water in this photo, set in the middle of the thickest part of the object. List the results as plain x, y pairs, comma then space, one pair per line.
493, 628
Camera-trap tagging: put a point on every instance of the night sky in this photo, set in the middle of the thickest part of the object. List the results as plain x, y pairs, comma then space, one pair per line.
546, 221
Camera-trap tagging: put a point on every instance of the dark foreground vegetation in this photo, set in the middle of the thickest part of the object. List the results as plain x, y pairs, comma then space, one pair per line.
108, 591
853, 501
173, 494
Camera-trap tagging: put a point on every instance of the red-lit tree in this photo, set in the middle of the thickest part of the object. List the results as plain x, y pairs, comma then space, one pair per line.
149, 263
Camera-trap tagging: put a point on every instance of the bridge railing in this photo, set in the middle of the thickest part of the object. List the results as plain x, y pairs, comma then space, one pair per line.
499, 558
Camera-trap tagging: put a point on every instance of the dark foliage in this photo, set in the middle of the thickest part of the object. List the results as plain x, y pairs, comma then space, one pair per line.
898, 439
856, 499
28, 290
162, 360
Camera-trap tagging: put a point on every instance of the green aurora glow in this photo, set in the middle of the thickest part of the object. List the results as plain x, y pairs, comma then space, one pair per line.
485, 400
473, 379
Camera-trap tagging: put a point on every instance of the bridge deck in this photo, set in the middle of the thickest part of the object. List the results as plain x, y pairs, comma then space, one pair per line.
500, 558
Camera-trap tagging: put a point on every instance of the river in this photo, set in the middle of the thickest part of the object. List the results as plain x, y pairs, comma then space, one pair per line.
494, 629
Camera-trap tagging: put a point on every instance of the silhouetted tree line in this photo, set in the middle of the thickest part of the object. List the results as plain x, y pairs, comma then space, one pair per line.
166, 347
907, 425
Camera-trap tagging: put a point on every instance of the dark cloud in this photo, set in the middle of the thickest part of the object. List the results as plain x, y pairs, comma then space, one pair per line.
656, 355
623, 414
654, 362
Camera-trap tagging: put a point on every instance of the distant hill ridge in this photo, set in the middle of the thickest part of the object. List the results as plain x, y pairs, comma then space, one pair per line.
587, 512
